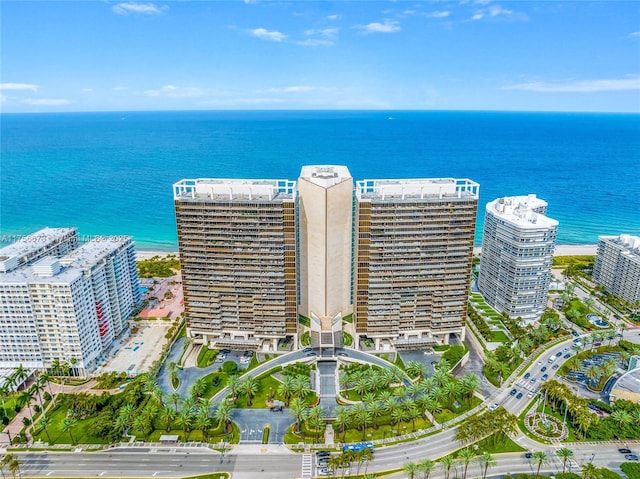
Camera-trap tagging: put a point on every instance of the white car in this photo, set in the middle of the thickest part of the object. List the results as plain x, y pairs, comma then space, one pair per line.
325, 471
540, 362
494, 406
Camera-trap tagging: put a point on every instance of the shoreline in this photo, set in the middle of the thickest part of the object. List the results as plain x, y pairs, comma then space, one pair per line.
560, 250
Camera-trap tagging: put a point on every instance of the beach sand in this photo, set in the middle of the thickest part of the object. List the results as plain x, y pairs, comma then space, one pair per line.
561, 250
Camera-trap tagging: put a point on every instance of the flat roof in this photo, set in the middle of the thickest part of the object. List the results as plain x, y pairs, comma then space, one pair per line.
229, 189
413, 189
520, 211
90, 253
325, 175
629, 382
628, 245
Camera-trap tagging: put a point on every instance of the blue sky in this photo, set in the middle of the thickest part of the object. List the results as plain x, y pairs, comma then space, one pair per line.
425, 55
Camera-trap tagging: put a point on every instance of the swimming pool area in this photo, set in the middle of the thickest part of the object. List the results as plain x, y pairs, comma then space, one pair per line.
597, 321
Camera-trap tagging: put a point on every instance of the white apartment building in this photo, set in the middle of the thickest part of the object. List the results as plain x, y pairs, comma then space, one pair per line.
517, 253
69, 308
617, 266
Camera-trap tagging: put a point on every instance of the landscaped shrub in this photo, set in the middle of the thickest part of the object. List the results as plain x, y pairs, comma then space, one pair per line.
229, 367
631, 469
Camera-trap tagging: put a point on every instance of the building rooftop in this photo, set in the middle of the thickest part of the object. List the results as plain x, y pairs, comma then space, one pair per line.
26, 247
417, 189
629, 382
521, 211
628, 244
220, 189
87, 255
325, 175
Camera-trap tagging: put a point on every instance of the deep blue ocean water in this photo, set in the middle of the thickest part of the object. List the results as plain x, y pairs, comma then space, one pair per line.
112, 173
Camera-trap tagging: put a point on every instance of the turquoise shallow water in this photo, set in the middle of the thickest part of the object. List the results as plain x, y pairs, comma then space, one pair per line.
112, 173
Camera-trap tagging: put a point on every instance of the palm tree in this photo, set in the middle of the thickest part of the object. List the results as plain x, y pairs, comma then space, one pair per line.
539, 458
250, 387
12, 463
411, 468
565, 454
67, 426
465, 456
447, 463
315, 420
174, 397
623, 418
451, 389
469, 384
222, 413
426, 466
285, 389
44, 423
589, 471
168, 414
185, 421
487, 461
593, 373
342, 419
125, 417
202, 422
299, 412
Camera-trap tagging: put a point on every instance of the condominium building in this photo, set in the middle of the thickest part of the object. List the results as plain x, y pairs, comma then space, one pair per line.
414, 247
68, 308
517, 253
393, 255
617, 266
237, 241
325, 234
46, 242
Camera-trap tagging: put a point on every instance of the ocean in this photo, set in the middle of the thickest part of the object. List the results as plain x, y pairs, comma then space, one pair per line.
112, 173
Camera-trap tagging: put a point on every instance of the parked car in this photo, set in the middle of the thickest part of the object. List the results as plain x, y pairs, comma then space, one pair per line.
530, 395
543, 369
528, 455
519, 396
575, 333
307, 350
325, 471
513, 392
544, 377
323, 453
624, 450
559, 353
527, 376
533, 380
494, 406
567, 356
631, 457
555, 366
323, 462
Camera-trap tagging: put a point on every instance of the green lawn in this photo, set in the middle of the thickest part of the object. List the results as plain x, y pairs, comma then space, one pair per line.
80, 431
260, 399
211, 390
206, 357
499, 336
10, 404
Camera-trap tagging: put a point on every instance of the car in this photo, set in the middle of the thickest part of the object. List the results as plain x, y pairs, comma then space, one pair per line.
543, 369
323, 453
323, 462
530, 395
311, 354
575, 333
555, 366
533, 380
513, 392
519, 396
559, 353
544, 377
343, 354
325, 471
358, 446
539, 362
307, 350
567, 356
624, 450
631, 457
527, 376
566, 350
528, 455
494, 406
225, 351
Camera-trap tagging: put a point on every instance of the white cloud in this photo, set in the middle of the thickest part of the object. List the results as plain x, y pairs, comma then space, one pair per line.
127, 8
333, 17
438, 14
46, 101
496, 11
87, 90
634, 34
315, 42
388, 26
579, 86
325, 32
18, 86
265, 34
172, 91
120, 88
292, 89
